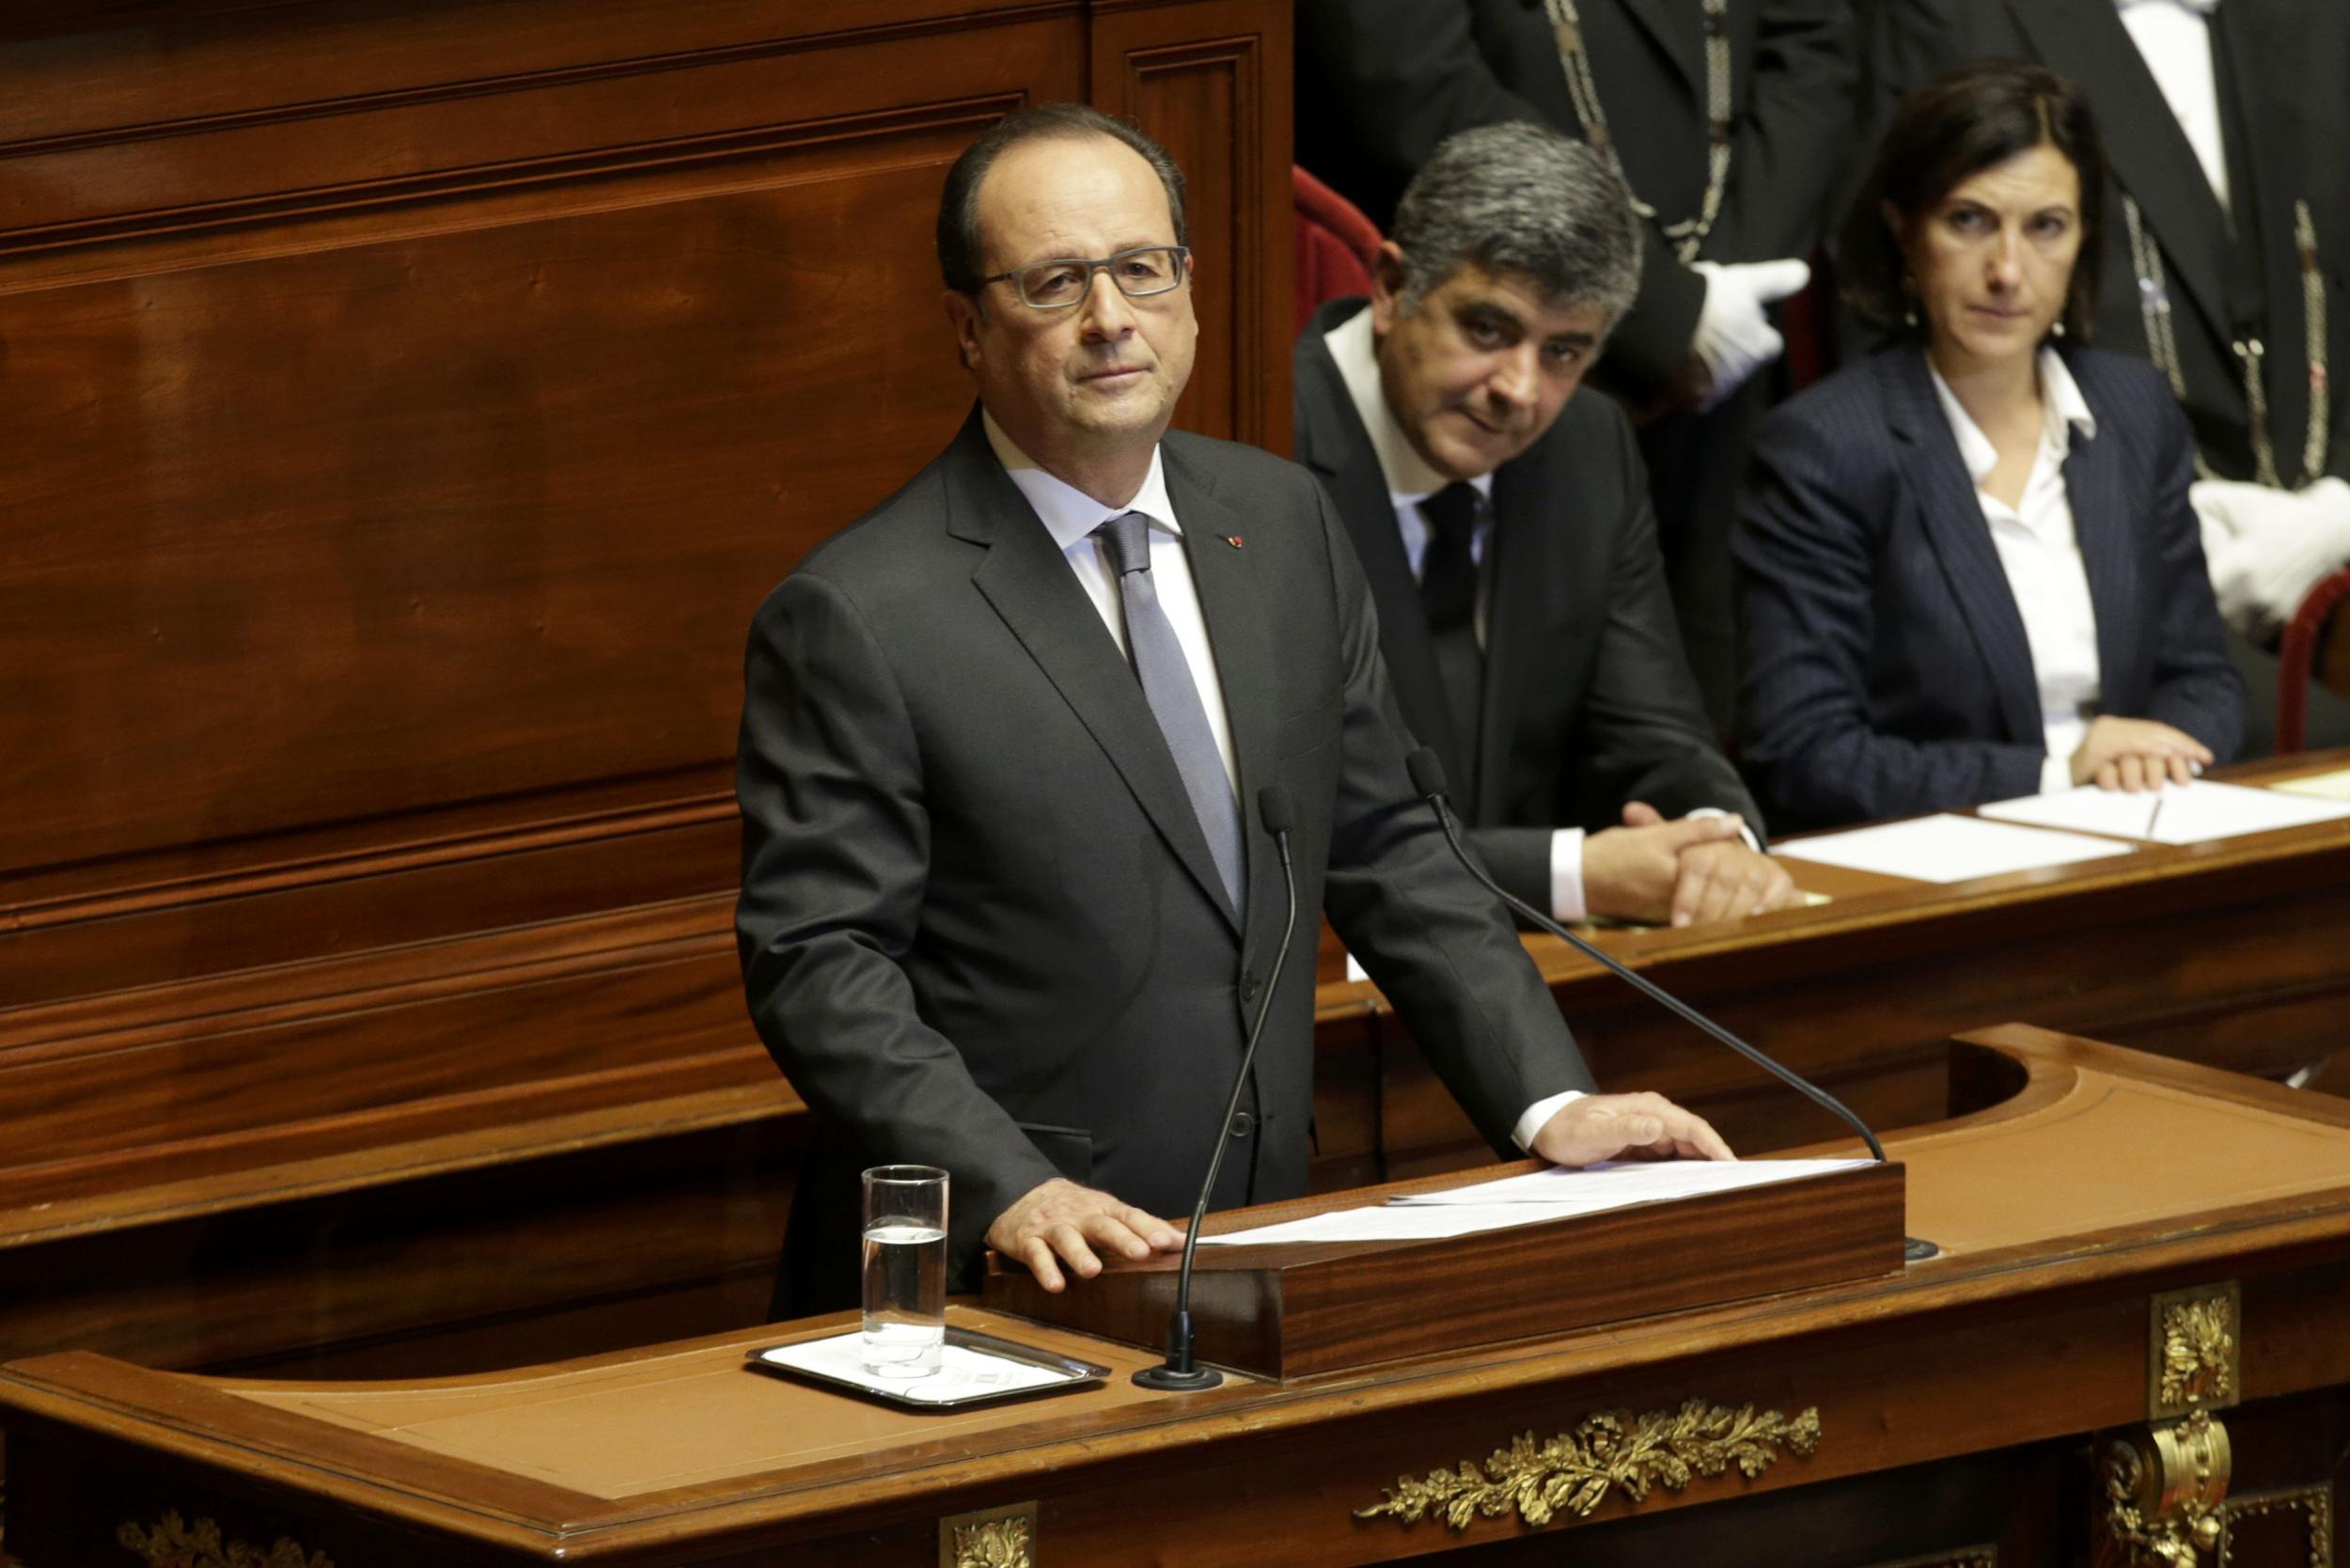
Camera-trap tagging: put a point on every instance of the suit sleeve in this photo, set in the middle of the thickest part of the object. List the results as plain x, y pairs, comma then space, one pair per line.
1439, 945
1643, 732
1808, 612
1796, 134
2196, 685
835, 846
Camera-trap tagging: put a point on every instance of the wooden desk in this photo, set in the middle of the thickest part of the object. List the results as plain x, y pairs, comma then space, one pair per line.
1938, 1411
2229, 953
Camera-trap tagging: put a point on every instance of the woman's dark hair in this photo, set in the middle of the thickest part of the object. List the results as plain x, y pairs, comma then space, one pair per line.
959, 248
1947, 130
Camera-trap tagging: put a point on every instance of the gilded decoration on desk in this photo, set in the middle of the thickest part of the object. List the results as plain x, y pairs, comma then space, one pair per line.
992, 1538
2165, 1488
177, 1544
1573, 1471
2195, 1344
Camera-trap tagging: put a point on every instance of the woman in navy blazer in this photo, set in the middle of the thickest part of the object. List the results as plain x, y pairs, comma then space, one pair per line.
1969, 569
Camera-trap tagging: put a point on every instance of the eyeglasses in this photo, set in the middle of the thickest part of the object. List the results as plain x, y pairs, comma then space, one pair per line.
1058, 285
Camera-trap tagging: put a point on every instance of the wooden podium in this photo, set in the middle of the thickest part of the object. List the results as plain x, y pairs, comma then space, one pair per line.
2150, 1256
1294, 1311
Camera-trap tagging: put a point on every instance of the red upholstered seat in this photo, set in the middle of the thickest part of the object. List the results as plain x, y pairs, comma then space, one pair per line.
1334, 245
2298, 657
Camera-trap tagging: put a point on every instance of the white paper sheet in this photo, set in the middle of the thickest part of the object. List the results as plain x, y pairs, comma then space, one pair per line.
2174, 814
962, 1371
2318, 786
1618, 1183
1947, 848
1530, 1199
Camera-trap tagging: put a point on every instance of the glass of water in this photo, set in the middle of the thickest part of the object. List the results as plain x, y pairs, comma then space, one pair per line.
905, 1269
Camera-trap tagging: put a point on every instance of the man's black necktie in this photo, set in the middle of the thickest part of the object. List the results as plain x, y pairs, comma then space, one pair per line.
1447, 596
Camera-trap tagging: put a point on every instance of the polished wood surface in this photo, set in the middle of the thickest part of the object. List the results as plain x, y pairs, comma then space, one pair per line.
409, 401
1296, 1310
2097, 1179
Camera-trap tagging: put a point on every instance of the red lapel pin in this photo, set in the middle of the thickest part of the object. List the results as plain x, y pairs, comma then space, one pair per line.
1232, 539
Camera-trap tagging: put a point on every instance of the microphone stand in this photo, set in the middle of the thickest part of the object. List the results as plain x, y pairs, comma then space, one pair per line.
1181, 1373
1427, 779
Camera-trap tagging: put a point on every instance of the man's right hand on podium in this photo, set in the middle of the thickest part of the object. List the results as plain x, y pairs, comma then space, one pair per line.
1061, 1217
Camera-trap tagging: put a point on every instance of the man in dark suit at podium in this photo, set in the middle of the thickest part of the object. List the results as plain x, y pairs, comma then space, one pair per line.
1503, 522
1007, 906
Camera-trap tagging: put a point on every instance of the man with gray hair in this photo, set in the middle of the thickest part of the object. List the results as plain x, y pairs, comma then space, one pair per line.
1504, 524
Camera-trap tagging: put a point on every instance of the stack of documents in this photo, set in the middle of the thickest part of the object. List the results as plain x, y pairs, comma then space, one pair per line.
1558, 1193
2174, 814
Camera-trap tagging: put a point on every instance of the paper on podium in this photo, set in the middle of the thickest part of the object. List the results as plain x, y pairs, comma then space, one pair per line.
1558, 1193
1947, 848
2174, 814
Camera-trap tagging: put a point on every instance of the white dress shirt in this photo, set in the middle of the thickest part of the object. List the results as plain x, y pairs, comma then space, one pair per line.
1069, 515
2042, 557
2175, 38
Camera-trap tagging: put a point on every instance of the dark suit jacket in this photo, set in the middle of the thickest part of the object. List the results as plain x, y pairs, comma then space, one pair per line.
1588, 701
2281, 151
980, 926
1381, 82
1888, 671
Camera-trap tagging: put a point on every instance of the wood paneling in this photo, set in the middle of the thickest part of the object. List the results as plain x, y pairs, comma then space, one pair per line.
407, 402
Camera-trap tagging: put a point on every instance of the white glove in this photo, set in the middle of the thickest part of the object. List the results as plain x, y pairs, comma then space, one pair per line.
2266, 548
1735, 339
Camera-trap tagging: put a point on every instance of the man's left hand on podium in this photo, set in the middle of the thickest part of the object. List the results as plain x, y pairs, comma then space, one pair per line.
1600, 1127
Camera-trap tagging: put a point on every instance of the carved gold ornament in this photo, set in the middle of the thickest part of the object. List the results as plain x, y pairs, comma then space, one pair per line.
177, 1544
2196, 1348
1611, 1449
993, 1538
2164, 1490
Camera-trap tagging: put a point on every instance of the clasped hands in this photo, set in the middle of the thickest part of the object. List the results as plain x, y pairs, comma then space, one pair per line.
1058, 1225
1655, 872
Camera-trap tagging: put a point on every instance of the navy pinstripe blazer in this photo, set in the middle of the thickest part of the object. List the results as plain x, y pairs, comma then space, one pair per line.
1887, 671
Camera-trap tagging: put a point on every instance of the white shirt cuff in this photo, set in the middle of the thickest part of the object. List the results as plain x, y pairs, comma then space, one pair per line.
2056, 775
1566, 875
1538, 1113
1744, 831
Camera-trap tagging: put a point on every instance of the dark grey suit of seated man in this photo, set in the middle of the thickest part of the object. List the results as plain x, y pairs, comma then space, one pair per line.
1002, 908
1503, 522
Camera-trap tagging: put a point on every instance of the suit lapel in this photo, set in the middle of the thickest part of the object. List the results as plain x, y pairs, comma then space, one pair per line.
1030, 586
1961, 541
1672, 23
1235, 605
2151, 159
2094, 488
1332, 442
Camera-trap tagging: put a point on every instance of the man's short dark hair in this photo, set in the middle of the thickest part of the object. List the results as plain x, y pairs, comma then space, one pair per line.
1521, 199
1945, 132
960, 251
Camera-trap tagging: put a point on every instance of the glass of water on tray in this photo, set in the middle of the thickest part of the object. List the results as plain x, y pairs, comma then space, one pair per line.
905, 1269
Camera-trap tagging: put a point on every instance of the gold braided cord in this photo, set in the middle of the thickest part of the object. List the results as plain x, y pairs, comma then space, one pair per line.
2162, 345
1689, 235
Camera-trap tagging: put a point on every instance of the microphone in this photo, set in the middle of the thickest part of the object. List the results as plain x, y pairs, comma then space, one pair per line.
1427, 780
1181, 1373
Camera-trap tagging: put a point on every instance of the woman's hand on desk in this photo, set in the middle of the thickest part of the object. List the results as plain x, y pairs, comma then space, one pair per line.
2136, 754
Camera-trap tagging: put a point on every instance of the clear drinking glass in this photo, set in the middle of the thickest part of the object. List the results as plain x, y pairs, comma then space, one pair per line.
905, 1269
